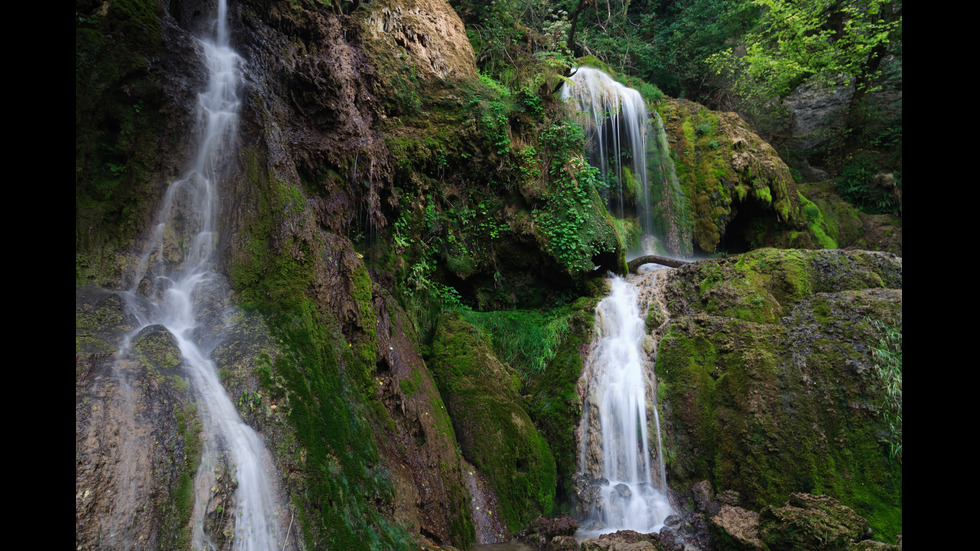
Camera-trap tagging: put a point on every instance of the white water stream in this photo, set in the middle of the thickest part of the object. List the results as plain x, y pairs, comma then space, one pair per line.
616, 121
623, 136
616, 431
622, 481
176, 286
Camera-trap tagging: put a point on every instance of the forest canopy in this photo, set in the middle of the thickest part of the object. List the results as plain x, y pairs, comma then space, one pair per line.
700, 49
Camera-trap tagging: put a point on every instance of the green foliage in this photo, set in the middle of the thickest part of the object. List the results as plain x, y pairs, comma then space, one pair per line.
527, 340
687, 32
887, 354
494, 107
825, 42
856, 184
504, 30
569, 218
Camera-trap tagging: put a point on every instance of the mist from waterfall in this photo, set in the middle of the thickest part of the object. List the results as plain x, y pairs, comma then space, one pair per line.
175, 287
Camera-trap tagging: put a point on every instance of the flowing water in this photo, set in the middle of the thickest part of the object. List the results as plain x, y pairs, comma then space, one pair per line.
621, 481
624, 481
177, 288
634, 158
616, 123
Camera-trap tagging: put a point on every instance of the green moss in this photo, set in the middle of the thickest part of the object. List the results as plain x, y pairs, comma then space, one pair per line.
325, 366
120, 131
176, 531
769, 404
763, 193
544, 348
726, 171
815, 220
495, 432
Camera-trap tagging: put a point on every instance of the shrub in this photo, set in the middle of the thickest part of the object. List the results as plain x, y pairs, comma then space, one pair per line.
856, 184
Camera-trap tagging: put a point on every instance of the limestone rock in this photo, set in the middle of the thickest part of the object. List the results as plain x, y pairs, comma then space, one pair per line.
811, 523
780, 343
738, 528
817, 113
429, 32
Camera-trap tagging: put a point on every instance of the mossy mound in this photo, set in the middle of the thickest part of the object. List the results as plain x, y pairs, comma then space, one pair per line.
771, 382
545, 348
846, 225
494, 431
811, 523
740, 192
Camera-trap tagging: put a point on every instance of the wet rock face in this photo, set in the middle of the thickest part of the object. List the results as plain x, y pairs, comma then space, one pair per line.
780, 342
588, 496
429, 478
137, 74
132, 415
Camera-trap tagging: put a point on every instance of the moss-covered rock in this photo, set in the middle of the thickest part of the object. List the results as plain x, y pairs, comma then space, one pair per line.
740, 192
770, 380
811, 523
494, 431
137, 430
846, 225
133, 106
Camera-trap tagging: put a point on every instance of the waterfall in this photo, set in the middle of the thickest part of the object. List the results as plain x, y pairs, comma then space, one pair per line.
620, 137
176, 287
615, 120
621, 484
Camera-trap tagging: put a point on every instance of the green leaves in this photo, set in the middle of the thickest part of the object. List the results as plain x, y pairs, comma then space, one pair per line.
826, 42
887, 354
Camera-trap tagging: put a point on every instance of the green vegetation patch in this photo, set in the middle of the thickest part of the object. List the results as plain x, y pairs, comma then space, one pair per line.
495, 432
726, 171
545, 349
120, 131
779, 398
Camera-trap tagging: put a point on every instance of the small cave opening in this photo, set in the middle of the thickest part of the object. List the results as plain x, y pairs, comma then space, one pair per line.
751, 224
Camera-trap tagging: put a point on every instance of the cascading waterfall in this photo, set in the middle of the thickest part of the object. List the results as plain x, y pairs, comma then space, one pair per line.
622, 484
634, 159
175, 286
615, 120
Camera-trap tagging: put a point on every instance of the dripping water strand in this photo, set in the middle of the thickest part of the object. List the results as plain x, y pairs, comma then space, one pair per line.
175, 286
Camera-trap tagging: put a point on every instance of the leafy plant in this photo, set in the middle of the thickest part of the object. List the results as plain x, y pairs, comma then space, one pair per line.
830, 43
856, 185
887, 354
525, 339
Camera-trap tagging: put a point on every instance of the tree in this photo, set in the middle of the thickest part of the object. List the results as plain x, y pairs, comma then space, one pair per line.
823, 42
